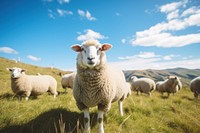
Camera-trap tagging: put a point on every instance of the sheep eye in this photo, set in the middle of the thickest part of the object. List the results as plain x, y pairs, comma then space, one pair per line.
98, 50
84, 50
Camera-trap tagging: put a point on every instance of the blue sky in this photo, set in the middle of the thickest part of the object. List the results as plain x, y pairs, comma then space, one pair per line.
145, 34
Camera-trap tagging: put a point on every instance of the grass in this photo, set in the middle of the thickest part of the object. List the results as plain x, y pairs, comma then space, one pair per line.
156, 114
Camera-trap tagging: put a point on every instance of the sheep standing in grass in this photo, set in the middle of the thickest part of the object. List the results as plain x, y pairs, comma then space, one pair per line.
170, 85
27, 85
67, 80
143, 85
96, 83
195, 86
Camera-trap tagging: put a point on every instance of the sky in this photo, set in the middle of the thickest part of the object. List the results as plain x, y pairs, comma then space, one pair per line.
145, 34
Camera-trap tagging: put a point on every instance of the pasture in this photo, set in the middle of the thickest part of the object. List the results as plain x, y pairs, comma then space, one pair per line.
178, 113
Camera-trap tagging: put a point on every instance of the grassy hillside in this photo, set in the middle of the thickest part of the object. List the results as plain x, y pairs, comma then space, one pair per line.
179, 113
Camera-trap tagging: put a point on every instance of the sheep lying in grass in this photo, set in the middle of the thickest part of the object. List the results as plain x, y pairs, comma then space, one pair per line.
27, 85
96, 83
67, 80
143, 85
195, 86
170, 85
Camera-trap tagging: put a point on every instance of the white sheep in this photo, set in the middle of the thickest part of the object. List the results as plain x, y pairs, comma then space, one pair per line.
67, 80
27, 85
143, 85
170, 85
195, 86
96, 83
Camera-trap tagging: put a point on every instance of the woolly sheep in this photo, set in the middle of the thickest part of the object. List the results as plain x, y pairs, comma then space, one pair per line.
170, 85
67, 80
143, 85
96, 83
195, 86
27, 85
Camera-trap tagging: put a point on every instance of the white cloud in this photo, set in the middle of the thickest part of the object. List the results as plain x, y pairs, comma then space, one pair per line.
155, 63
90, 34
63, 1
163, 34
123, 40
173, 15
62, 12
170, 57
172, 6
31, 57
86, 15
147, 55
189, 11
167, 40
144, 55
8, 50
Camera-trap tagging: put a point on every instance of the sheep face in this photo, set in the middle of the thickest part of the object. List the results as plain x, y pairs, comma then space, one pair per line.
91, 53
173, 80
16, 72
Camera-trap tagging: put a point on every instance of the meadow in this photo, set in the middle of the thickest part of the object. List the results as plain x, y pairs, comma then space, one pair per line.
142, 114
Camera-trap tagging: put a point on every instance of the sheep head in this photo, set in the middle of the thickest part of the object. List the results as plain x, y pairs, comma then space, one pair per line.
16, 72
91, 53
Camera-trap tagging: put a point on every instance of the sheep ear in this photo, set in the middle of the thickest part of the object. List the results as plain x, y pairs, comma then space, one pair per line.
9, 69
76, 48
106, 47
23, 70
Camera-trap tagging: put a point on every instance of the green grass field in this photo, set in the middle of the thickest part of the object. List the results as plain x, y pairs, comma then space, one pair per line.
143, 114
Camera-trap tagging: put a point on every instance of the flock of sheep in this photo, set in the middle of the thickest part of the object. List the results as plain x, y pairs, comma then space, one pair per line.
95, 83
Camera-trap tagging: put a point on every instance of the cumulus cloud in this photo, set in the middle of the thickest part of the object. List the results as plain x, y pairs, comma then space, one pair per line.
86, 14
163, 34
33, 58
173, 6
8, 50
90, 34
62, 12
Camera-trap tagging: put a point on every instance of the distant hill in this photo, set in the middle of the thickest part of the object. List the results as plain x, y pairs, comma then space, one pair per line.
186, 75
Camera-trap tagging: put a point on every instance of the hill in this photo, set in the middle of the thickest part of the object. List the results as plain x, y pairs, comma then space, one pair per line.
186, 75
176, 114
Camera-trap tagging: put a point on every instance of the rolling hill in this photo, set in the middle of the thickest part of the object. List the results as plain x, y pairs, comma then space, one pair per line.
186, 75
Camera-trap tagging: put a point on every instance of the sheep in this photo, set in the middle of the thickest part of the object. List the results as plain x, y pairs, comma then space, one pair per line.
143, 85
170, 85
195, 86
97, 83
67, 80
27, 85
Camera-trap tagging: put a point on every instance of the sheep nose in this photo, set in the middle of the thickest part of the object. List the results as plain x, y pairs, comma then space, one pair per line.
90, 58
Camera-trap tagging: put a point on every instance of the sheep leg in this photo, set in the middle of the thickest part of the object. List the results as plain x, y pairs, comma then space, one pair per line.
100, 121
86, 120
120, 107
149, 93
27, 95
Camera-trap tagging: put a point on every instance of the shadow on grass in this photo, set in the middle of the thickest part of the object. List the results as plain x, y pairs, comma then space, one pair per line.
164, 97
51, 122
9, 96
188, 98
